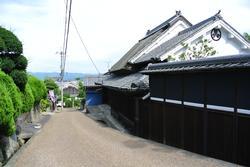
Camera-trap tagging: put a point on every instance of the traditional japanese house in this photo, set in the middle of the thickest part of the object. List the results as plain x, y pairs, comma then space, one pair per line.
200, 105
124, 85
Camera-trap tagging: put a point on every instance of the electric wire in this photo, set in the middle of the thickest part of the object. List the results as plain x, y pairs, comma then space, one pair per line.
80, 37
67, 35
84, 46
64, 37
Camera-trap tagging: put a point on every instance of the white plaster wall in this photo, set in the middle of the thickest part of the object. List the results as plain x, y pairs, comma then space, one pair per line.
225, 46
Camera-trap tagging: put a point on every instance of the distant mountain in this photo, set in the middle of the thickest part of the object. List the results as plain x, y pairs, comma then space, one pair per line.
68, 76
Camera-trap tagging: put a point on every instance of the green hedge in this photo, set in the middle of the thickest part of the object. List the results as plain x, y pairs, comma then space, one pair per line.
7, 123
21, 62
38, 88
20, 78
11, 42
6, 64
13, 91
44, 104
68, 102
27, 98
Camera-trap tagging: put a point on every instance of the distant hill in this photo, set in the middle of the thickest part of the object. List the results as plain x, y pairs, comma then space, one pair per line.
68, 76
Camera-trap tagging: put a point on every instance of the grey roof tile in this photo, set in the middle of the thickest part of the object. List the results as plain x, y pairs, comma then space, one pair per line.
91, 80
137, 48
204, 64
136, 81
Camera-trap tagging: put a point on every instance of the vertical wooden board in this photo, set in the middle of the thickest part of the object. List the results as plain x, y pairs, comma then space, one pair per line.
157, 121
173, 125
193, 129
243, 140
144, 118
220, 135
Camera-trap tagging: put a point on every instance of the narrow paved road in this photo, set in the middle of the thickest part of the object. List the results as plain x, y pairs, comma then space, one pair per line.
72, 139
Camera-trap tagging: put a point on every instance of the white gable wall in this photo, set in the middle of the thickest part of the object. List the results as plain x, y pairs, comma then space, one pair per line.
229, 44
170, 33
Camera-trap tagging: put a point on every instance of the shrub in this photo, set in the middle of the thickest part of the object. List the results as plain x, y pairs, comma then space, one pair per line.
6, 64
12, 43
7, 123
77, 102
20, 78
44, 104
82, 90
51, 85
13, 91
38, 89
20, 62
67, 95
27, 98
68, 102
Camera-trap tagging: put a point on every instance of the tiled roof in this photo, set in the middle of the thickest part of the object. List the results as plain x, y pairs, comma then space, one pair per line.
150, 37
205, 64
183, 35
136, 49
167, 23
132, 82
91, 80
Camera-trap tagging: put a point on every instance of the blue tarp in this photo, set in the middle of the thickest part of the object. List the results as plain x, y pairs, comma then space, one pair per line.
93, 98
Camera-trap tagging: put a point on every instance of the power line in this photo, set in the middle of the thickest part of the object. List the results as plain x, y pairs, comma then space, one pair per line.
65, 45
65, 24
84, 46
80, 37
66, 37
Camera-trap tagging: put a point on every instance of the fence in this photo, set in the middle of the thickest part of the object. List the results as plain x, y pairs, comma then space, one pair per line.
218, 134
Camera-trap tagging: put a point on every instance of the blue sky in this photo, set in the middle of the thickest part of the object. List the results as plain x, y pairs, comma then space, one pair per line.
109, 28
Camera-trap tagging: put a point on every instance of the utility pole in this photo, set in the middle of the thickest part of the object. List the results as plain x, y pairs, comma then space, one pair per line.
62, 73
65, 44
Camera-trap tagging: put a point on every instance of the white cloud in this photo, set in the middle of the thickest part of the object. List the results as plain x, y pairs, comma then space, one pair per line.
109, 28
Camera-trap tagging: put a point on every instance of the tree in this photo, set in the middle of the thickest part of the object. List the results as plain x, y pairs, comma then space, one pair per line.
51, 85
11, 42
81, 89
201, 49
247, 36
38, 89
12, 62
2, 45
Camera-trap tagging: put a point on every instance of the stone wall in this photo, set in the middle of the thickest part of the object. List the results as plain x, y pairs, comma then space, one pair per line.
9, 145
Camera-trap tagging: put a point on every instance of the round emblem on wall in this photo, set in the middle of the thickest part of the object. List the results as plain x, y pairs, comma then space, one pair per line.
215, 34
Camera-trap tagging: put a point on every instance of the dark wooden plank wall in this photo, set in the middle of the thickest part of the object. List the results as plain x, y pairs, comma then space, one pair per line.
123, 106
186, 128
219, 134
